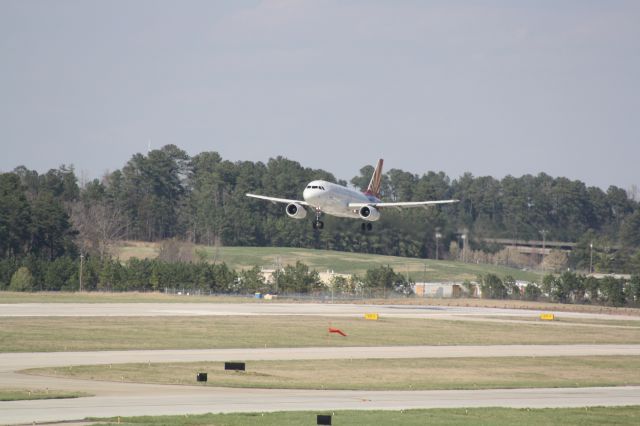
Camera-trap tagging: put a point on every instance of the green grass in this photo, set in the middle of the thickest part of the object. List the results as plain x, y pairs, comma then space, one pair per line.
379, 374
340, 262
585, 416
44, 334
26, 394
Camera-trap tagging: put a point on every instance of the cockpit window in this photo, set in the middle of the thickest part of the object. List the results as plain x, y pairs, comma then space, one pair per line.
321, 187
314, 187
308, 186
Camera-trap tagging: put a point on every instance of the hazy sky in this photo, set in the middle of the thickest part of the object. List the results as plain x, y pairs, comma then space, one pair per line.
489, 87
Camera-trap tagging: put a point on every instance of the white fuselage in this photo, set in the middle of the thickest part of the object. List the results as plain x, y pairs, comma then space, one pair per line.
334, 199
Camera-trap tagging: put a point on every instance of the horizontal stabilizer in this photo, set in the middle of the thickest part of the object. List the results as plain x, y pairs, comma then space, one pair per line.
406, 204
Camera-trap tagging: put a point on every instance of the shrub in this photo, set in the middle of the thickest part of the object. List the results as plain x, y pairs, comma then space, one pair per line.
22, 280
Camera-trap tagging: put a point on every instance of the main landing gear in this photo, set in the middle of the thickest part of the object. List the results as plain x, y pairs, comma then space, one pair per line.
318, 224
366, 226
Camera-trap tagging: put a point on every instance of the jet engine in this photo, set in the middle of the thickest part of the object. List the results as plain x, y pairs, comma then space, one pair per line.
369, 213
296, 211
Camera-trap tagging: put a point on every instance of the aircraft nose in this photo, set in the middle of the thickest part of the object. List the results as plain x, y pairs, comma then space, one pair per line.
307, 194
311, 194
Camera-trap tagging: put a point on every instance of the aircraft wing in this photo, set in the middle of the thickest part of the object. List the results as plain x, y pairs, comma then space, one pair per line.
405, 204
277, 200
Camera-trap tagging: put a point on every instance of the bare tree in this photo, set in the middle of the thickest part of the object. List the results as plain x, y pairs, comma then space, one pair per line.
175, 251
555, 261
99, 226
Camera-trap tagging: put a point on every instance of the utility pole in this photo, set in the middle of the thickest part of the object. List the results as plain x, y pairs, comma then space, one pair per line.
464, 247
544, 240
81, 259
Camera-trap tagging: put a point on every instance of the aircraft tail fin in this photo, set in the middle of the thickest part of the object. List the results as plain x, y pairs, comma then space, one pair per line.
376, 179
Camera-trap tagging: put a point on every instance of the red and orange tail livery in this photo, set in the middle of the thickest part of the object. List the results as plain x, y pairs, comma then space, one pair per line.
374, 186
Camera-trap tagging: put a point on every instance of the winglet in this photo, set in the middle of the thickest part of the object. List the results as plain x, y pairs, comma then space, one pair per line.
376, 179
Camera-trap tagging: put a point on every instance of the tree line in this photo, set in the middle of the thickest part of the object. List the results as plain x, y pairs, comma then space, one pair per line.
156, 275
568, 287
169, 194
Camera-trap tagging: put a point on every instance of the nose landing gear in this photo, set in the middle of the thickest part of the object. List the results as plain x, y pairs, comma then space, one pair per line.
318, 224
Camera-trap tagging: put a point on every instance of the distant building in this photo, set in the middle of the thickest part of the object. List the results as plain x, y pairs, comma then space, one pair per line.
267, 274
325, 277
439, 290
616, 276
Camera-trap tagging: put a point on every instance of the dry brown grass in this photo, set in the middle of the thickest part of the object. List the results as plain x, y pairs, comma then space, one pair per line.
139, 249
31, 394
381, 374
42, 334
126, 297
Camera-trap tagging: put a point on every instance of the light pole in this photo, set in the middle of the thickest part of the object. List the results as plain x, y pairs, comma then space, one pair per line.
591, 257
464, 246
544, 240
438, 236
81, 259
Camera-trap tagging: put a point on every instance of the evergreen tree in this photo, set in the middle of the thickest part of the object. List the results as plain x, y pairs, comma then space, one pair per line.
22, 280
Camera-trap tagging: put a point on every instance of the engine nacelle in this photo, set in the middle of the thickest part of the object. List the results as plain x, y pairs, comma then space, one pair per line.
369, 213
296, 211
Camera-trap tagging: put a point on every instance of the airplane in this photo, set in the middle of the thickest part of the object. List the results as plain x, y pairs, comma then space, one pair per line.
337, 200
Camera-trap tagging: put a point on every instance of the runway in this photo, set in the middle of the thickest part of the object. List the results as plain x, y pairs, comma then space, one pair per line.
21, 361
125, 399
269, 308
153, 400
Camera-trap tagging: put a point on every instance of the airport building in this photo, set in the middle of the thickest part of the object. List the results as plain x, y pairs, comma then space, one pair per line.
440, 290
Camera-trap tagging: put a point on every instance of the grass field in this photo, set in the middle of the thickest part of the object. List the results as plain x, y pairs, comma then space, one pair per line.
26, 394
341, 262
42, 334
585, 416
390, 374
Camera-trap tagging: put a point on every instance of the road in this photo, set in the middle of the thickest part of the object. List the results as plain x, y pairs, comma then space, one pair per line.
125, 399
